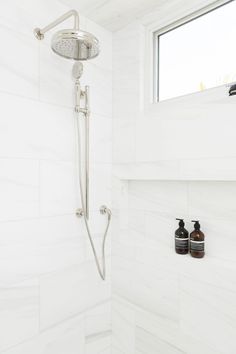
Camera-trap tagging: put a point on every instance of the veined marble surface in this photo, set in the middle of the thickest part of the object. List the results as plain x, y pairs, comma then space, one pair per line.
174, 159
164, 302
52, 300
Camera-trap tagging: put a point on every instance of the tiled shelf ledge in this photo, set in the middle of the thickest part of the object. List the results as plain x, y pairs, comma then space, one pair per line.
212, 169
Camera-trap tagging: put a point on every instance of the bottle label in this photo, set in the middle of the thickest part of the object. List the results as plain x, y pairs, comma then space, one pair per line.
197, 246
181, 243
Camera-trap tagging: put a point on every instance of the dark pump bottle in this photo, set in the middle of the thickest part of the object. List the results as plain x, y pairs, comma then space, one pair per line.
197, 241
181, 238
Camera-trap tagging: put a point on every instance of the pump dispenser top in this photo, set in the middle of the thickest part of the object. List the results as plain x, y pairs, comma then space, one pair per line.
196, 225
181, 222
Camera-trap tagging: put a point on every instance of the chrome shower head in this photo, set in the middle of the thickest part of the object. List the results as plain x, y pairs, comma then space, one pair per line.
71, 43
75, 44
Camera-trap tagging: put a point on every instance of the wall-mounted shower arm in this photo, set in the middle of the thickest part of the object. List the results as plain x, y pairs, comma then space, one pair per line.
39, 32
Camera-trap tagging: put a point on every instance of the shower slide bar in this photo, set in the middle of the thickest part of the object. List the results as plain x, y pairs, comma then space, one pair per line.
84, 210
86, 111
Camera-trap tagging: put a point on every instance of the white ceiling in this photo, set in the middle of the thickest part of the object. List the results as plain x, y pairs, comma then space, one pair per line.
114, 14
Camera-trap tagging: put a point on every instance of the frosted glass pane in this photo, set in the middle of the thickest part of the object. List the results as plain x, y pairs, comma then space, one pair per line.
198, 55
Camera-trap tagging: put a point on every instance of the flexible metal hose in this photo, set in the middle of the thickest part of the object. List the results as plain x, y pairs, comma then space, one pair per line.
101, 268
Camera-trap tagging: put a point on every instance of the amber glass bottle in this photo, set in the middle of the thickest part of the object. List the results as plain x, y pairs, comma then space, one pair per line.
181, 238
197, 241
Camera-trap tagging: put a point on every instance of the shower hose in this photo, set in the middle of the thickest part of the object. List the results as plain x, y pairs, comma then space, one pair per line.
101, 267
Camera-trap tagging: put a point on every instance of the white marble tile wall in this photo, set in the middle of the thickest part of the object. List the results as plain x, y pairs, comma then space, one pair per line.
51, 297
164, 302
127, 65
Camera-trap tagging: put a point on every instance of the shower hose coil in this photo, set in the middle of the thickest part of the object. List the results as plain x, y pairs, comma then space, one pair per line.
101, 267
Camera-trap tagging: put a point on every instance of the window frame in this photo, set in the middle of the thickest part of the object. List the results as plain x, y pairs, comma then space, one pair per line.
156, 46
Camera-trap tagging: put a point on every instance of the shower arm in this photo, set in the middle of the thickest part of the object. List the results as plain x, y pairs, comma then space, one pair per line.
39, 32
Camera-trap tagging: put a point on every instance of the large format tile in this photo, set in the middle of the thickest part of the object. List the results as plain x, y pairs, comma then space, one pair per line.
122, 277
69, 292
174, 148
159, 139
19, 312
19, 189
168, 198
219, 236
126, 104
100, 89
212, 200
38, 246
210, 309
67, 337
39, 234
62, 295
156, 290
100, 148
123, 327
100, 185
100, 139
98, 319
30, 129
171, 295
19, 73
99, 344
57, 188
53, 71
25, 15
148, 343
165, 330
192, 344
124, 142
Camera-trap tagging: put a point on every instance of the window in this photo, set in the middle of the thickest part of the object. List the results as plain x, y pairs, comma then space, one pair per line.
196, 55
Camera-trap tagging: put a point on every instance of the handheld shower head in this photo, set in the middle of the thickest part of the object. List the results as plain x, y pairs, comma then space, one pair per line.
77, 70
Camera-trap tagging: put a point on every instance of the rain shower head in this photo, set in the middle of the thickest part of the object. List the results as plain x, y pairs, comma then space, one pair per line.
71, 43
75, 44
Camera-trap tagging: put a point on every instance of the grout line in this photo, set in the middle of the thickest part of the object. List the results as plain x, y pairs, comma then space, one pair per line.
39, 305
51, 160
75, 315
39, 70
188, 199
91, 337
42, 217
177, 160
79, 314
39, 189
5, 92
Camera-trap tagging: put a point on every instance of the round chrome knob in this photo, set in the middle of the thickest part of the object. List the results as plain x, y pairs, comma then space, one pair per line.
79, 213
103, 209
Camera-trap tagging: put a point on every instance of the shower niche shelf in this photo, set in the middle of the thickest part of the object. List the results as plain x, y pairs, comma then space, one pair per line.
217, 169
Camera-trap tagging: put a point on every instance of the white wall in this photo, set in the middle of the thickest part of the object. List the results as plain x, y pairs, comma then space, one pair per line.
51, 297
169, 303
196, 127
163, 302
